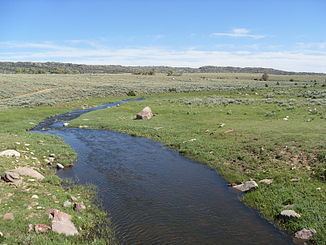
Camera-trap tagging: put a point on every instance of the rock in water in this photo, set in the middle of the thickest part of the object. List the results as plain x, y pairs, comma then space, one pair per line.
25, 171
288, 213
246, 186
146, 113
60, 166
61, 223
305, 234
9, 153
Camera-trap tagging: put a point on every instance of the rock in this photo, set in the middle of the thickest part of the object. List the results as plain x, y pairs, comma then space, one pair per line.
305, 234
65, 124
61, 223
1, 234
246, 186
51, 159
67, 204
8, 216
41, 228
79, 207
35, 197
26, 171
288, 213
73, 198
294, 180
60, 166
12, 177
30, 228
145, 113
9, 153
266, 181
52, 155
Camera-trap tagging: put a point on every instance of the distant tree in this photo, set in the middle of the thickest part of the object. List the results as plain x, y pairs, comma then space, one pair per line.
264, 77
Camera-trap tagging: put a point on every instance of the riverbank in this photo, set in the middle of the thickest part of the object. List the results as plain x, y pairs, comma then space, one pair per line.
27, 204
244, 134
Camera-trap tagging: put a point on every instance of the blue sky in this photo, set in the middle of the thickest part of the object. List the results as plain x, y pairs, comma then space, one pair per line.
288, 34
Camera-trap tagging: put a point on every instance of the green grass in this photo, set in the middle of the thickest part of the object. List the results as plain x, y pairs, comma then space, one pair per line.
255, 143
93, 224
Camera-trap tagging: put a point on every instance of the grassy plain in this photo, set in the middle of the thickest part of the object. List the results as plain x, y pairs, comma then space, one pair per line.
276, 131
232, 122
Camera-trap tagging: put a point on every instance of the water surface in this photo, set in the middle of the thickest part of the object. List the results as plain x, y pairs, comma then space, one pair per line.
156, 196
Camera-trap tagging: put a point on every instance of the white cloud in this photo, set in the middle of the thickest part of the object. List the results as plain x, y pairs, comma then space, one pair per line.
239, 33
312, 45
285, 60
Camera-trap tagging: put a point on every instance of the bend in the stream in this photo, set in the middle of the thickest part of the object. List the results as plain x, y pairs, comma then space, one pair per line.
154, 195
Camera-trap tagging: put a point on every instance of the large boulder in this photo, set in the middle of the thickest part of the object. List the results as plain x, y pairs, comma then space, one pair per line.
145, 113
61, 223
246, 186
9, 153
25, 171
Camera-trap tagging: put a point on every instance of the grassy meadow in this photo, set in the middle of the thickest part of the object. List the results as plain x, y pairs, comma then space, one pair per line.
242, 127
35, 149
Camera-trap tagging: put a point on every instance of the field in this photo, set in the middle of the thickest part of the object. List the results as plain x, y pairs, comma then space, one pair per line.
31, 90
242, 127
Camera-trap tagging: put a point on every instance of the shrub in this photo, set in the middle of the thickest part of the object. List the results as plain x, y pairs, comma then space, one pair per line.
264, 77
131, 93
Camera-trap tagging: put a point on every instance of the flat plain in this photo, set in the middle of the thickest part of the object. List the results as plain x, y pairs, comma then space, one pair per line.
241, 126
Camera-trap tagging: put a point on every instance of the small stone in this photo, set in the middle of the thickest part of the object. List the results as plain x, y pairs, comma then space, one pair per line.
41, 228
305, 234
1, 234
67, 204
9, 153
266, 181
294, 180
73, 198
290, 214
8, 216
60, 166
52, 155
246, 186
318, 188
35, 197
65, 124
79, 207
30, 228
51, 159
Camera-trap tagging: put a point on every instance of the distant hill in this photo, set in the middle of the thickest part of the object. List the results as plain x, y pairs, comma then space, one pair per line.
69, 68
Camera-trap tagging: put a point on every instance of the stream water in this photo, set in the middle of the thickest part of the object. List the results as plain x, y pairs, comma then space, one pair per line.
156, 196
